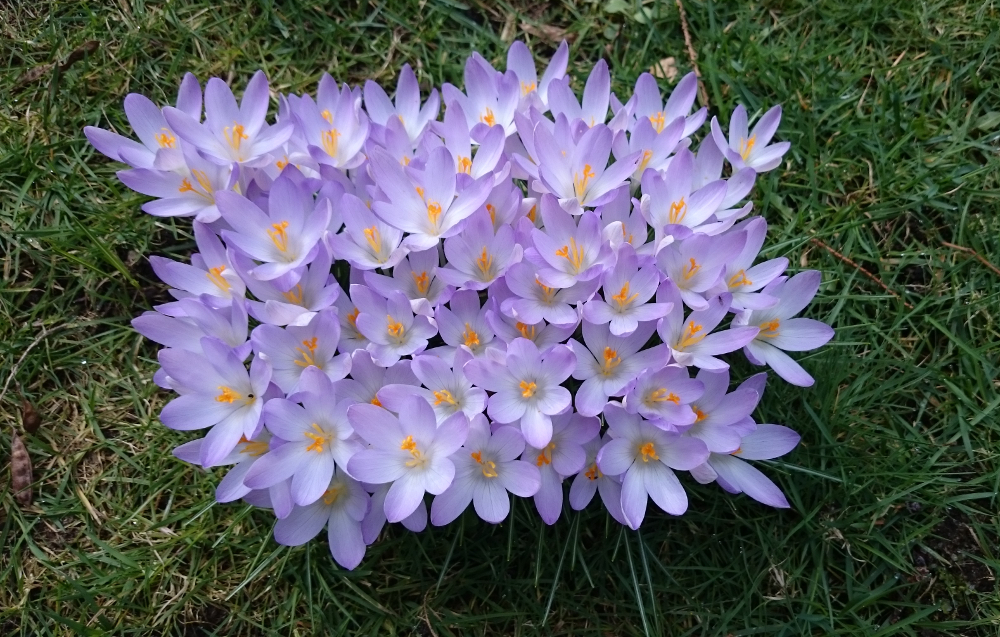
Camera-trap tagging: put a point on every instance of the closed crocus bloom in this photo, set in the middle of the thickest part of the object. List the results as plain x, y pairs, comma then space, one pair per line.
665, 396
197, 319
412, 454
696, 264
407, 108
232, 133
341, 509
527, 387
561, 458
592, 480
781, 332
627, 291
533, 90
751, 150
486, 470
649, 105
690, 338
294, 349
736, 476
646, 455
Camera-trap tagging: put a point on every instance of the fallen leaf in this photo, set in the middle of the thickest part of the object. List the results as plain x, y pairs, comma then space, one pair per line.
665, 69
20, 471
30, 419
547, 32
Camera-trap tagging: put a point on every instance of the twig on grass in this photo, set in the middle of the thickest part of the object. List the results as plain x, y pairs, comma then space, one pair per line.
978, 256
692, 55
863, 271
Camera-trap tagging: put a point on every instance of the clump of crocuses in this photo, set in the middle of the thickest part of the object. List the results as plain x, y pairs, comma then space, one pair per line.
541, 290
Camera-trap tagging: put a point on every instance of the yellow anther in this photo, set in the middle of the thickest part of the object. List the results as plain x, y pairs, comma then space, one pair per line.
532, 213
374, 239
739, 451
678, 210
527, 331
490, 208
528, 388
166, 139
433, 212
545, 457
281, 163
622, 298
465, 165
527, 87
279, 235
234, 135
215, 276
627, 237
489, 468
226, 395
329, 140
408, 444
470, 338
690, 335
352, 318
611, 360
646, 156
444, 396
319, 438
394, 328
308, 354
549, 293
699, 415
770, 329
658, 121
746, 146
253, 448
488, 118
330, 495
580, 181
206, 192
411, 446
572, 253
420, 191
690, 270
485, 264
327, 115
739, 279
294, 295
422, 281
661, 395
648, 452
593, 472
375, 401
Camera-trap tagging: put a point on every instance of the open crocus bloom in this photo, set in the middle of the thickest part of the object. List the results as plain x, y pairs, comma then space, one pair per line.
422, 289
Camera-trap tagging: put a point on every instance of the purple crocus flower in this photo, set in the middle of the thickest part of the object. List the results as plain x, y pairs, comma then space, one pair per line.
592, 480
533, 301
562, 457
159, 146
645, 454
751, 150
447, 389
389, 325
455, 132
527, 387
624, 223
690, 339
315, 291
416, 277
211, 272
464, 325
520, 61
743, 278
654, 147
215, 391
285, 237
407, 107
486, 469
367, 242
492, 96
779, 332
696, 264
609, 363
627, 291
232, 133
424, 202
335, 132
596, 95
340, 508
368, 378
649, 105
542, 334
669, 202
294, 349
665, 397
736, 476
412, 454
477, 256
313, 438
375, 520
197, 320
721, 418
566, 253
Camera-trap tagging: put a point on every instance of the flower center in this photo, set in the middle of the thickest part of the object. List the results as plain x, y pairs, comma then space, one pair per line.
593, 472
580, 181
227, 395
433, 212
330, 495
661, 395
746, 146
294, 295
319, 438
279, 235
545, 457
527, 331
611, 360
769, 329
465, 165
572, 253
470, 338
690, 336
253, 448
422, 281
739, 279
532, 212
622, 298
394, 328
329, 140
658, 121
648, 452
215, 276
678, 210
548, 294
527, 87
646, 156
206, 192
488, 117
485, 264
409, 445
374, 240
690, 270
328, 116
166, 139
489, 468
444, 396
528, 388
699, 415
234, 136
308, 354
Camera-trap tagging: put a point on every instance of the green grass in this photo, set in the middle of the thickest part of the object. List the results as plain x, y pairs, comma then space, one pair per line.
892, 107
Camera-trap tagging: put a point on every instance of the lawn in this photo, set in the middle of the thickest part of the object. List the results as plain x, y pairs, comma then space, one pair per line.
891, 189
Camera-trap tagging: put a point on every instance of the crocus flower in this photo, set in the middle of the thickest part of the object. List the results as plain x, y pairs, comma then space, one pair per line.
608, 363
743, 279
197, 320
751, 150
296, 348
627, 291
477, 256
492, 97
665, 397
592, 480
533, 301
645, 454
315, 291
696, 264
596, 95
624, 223
424, 203
232, 133
341, 508
416, 277
335, 133
368, 378
241, 458
520, 61
649, 105
367, 241
736, 476
486, 469
669, 202
390, 325
562, 457
412, 454
447, 389
455, 132
215, 391
690, 339
159, 147
211, 272
527, 387
721, 418
779, 332
406, 108
566, 253
285, 237
542, 334
315, 435
654, 147
464, 325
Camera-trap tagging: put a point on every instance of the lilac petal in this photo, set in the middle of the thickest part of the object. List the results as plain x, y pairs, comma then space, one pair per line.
665, 489
548, 500
491, 501
536, 427
801, 334
347, 544
505, 406
231, 488
312, 478
616, 456
275, 465
224, 437
768, 441
782, 364
301, 525
194, 411
581, 492
376, 467
634, 498
450, 504
749, 480
520, 478
590, 397
403, 498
